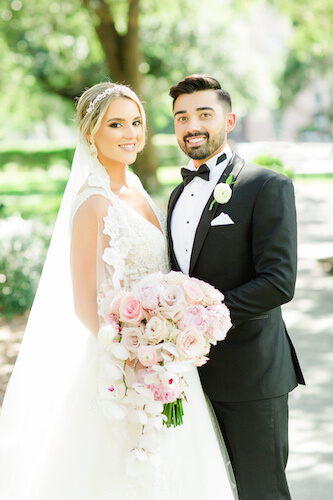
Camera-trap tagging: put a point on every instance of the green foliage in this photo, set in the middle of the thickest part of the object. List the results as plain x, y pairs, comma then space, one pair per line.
33, 192
23, 247
41, 157
274, 163
310, 44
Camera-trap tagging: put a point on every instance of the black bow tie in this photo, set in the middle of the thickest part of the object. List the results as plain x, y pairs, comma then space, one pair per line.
203, 171
188, 175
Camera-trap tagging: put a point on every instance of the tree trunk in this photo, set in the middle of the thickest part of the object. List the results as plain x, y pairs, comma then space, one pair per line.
123, 57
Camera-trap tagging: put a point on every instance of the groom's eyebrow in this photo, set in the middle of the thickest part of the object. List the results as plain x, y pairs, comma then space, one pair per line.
204, 108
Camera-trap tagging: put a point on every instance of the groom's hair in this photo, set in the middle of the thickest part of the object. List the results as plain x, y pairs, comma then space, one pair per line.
195, 83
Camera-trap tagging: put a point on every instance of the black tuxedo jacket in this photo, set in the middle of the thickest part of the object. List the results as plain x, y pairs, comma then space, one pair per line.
253, 262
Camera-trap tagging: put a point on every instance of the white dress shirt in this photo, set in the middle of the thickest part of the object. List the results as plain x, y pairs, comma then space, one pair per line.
189, 207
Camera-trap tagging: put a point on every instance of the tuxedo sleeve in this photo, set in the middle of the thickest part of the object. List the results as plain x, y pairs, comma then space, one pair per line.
274, 253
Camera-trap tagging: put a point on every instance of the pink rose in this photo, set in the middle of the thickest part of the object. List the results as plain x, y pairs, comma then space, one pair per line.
132, 339
212, 296
172, 302
191, 343
114, 306
147, 355
193, 290
219, 322
193, 316
130, 310
156, 330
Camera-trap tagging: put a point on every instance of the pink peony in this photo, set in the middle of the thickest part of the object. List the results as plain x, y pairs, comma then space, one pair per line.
191, 343
165, 393
147, 355
147, 292
219, 322
193, 316
130, 310
193, 290
111, 319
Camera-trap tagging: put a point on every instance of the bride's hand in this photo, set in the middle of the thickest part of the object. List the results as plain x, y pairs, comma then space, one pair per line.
135, 365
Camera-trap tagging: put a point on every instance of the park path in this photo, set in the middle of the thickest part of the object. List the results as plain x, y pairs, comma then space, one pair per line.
309, 318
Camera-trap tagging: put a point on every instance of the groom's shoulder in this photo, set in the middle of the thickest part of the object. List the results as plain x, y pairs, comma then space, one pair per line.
257, 173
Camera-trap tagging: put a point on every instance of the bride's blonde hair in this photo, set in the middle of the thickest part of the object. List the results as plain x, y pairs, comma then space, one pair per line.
93, 104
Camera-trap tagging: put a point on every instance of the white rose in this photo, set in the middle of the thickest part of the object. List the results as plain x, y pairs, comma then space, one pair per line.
222, 192
156, 330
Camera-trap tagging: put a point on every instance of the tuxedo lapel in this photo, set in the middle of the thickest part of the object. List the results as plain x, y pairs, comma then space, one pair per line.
173, 199
233, 168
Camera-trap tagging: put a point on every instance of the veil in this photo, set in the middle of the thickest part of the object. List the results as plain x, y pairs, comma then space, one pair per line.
53, 348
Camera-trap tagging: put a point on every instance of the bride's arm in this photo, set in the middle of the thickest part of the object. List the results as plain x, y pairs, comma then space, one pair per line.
85, 249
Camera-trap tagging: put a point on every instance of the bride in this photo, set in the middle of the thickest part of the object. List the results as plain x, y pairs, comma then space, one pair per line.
55, 443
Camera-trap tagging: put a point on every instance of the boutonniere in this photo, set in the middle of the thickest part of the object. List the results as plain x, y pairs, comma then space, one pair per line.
222, 191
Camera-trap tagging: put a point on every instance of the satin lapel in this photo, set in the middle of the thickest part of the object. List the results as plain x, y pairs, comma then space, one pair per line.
234, 167
173, 199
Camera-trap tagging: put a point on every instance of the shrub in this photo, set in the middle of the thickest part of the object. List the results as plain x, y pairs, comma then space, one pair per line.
274, 163
23, 248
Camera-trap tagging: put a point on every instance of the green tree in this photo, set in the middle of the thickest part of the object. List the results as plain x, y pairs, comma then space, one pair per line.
310, 45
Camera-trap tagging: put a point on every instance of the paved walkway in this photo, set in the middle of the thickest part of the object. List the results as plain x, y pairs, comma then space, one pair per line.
310, 322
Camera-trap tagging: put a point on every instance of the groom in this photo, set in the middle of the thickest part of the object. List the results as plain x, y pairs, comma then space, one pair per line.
245, 247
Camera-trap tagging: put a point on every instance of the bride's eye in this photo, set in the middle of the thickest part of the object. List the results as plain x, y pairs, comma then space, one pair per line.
137, 123
115, 125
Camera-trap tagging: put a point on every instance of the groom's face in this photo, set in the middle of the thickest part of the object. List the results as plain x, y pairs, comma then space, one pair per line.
201, 124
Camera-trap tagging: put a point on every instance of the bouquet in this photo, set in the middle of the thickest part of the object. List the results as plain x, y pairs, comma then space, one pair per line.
167, 323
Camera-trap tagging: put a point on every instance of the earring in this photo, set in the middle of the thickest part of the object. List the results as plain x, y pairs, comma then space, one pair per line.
92, 150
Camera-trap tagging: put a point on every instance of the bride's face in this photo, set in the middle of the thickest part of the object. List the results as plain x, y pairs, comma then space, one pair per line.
119, 137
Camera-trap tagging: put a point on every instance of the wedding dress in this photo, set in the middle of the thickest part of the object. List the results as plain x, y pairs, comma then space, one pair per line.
63, 448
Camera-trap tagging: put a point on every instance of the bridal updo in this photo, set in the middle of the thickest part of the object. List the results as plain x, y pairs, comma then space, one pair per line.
93, 104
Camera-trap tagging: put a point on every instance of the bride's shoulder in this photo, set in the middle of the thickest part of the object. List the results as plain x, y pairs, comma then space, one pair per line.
90, 203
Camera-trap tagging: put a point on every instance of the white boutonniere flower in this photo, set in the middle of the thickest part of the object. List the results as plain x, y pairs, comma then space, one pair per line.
222, 192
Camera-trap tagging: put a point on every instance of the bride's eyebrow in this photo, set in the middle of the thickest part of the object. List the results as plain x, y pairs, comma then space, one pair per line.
122, 119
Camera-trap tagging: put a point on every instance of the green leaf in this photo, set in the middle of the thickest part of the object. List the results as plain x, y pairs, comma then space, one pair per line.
230, 180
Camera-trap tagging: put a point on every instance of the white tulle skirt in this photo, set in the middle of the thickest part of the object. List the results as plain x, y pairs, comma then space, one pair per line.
83, 456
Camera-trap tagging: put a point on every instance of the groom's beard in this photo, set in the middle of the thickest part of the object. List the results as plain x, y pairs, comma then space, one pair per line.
212, 144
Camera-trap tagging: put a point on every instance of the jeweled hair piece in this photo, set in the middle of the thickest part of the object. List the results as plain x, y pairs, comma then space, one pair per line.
100, 96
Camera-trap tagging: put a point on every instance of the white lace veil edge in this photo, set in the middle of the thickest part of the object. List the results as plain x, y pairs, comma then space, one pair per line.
53, 346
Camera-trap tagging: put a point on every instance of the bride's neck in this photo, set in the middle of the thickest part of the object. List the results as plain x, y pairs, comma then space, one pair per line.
117, 175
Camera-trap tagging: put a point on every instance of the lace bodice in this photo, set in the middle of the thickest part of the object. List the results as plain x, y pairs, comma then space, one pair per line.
136, 247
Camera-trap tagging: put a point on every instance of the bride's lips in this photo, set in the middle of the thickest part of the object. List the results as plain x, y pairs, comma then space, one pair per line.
130, 146
196, 140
